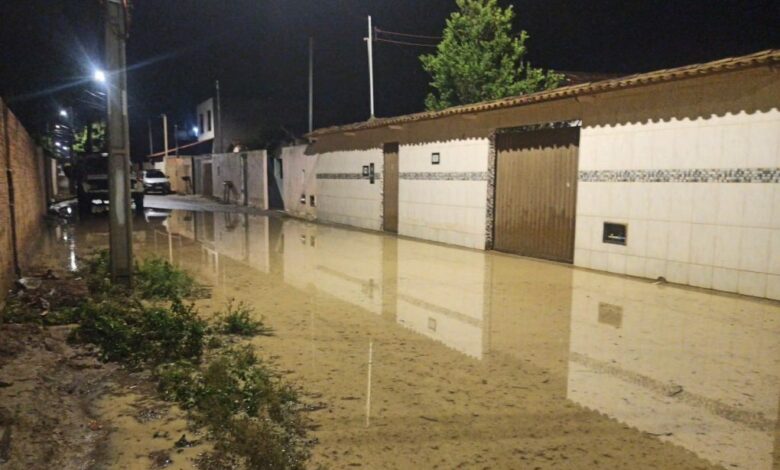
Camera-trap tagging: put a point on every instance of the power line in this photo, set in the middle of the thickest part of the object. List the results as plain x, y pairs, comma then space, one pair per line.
408, 35
404, 43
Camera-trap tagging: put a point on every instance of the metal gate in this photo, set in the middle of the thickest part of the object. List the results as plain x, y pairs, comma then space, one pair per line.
390, 188
536, 193
207, 179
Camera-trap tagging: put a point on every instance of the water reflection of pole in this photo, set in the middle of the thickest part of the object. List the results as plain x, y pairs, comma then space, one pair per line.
170, 247
368, 386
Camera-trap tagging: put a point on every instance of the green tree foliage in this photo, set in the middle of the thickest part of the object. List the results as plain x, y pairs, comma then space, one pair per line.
479, 58
91, 138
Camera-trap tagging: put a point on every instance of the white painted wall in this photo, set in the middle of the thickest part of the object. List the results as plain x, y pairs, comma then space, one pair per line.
299, 181
720, 235
345, 198
205, 111
445, 202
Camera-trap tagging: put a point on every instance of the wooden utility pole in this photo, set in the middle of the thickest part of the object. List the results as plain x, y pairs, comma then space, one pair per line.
120, 219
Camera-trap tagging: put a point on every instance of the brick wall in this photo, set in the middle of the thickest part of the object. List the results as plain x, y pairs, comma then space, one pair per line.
30, 205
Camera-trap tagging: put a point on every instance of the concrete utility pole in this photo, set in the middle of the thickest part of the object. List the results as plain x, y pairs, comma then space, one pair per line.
151, 143
176, 138
370, 40
311, 84
220, 148
165, 135
120, 220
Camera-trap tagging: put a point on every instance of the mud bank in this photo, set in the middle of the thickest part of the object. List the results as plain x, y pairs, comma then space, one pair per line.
48, 395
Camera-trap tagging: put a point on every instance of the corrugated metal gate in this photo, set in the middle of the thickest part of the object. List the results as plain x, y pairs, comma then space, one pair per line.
536, 193
390, 188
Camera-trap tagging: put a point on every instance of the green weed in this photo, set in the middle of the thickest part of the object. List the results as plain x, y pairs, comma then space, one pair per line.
126, 330
246, 406
237, 320
156, 278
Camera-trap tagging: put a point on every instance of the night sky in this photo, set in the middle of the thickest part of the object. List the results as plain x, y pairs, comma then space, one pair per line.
258, 51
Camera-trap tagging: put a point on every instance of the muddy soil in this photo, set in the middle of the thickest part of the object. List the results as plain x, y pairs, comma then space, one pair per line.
48, 392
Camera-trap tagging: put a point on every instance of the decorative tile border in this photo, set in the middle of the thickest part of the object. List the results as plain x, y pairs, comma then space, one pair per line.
490, 219
696, 175
346, 176
445, 175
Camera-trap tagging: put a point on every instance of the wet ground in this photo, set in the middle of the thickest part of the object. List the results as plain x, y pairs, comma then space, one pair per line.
430, 356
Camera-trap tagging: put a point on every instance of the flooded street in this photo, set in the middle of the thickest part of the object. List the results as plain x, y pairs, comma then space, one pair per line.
429, 356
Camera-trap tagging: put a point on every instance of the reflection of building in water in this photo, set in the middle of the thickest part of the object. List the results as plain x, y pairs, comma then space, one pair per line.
344, 264
442, 296
701, 372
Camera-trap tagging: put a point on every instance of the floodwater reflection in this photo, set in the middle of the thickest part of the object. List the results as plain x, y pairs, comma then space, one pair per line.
474, 358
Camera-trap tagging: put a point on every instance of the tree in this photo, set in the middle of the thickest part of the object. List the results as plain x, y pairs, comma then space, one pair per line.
91, 138
480, 59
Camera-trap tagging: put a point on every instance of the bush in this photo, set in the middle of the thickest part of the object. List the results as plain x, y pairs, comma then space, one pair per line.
126, 330
156, 278
245, 405
237, 320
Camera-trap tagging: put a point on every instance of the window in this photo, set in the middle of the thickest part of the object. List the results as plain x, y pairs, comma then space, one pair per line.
200, 122
209, 120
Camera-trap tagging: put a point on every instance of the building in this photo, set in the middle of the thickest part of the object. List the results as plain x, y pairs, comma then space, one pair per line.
671, 174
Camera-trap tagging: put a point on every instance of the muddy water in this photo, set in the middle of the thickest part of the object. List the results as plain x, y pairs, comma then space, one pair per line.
437, 357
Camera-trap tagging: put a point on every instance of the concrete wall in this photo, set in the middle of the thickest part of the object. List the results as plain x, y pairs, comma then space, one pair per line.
26, 164
693, 169
299, 181
176, 169
344, 196
231, 167
445, 202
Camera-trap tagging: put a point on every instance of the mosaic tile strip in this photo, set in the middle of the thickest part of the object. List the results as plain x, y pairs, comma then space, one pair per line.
695, 175
491, 192
346, 176
445, 175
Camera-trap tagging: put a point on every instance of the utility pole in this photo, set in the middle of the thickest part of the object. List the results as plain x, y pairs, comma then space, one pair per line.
220, 148
120, 221
165, 135
176, 138
151, 143
311, 85
370, 40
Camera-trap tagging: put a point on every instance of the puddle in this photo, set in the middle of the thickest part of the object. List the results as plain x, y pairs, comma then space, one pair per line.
431, 356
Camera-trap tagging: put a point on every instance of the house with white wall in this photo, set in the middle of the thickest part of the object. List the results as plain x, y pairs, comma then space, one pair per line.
670, 174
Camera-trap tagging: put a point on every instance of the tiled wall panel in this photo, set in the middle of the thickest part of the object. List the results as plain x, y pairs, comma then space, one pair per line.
701, 198
444, 202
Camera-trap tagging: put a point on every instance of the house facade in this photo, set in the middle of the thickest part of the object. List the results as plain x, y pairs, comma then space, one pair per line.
671, 174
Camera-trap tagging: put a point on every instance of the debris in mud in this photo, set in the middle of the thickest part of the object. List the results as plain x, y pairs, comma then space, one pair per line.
183, 442
160, 459
145, 415
673, 390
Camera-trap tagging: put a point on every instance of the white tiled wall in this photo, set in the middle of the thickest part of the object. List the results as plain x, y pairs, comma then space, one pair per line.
354, 202
724, 236
448, 211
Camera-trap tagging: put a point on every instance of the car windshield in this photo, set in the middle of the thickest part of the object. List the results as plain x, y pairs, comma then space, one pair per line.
155, 174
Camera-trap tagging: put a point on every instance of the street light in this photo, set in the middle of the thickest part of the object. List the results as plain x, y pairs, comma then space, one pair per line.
100, 76
63, 113
195, 130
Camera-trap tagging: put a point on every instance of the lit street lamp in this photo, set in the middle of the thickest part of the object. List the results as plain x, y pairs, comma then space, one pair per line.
63, 113
99, 76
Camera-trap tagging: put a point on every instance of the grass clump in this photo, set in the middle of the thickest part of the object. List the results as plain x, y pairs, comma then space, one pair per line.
128, 331
156, 278
251, 412
237, 320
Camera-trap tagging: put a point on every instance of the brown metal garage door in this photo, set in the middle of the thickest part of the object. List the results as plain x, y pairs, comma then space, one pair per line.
390, 188
536, 193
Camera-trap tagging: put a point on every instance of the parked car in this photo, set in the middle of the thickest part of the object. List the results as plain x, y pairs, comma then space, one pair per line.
91, 177
155, 181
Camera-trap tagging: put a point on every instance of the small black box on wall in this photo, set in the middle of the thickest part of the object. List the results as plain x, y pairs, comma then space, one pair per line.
615, 234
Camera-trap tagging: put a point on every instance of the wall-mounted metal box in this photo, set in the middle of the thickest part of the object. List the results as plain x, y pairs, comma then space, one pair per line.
615, 234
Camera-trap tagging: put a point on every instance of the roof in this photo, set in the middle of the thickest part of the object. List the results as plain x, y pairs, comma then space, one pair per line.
767, 57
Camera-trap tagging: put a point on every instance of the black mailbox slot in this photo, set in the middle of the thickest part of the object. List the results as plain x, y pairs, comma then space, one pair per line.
615, 234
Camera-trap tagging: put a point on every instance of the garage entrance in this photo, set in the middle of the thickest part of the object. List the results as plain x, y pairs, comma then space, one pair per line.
390, 188
536, 193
